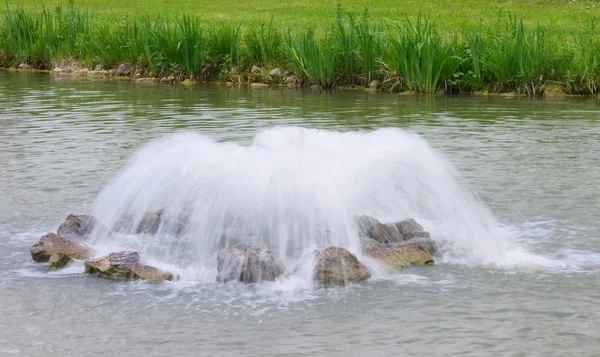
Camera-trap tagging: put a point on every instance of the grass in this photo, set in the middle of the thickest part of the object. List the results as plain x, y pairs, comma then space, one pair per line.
563, 15
401, 51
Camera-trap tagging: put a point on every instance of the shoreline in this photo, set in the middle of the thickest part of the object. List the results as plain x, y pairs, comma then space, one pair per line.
505, 56
550, 91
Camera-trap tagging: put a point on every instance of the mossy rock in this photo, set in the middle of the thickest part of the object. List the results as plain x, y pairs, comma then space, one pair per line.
59, 261
401, 255
125, 266
336, 266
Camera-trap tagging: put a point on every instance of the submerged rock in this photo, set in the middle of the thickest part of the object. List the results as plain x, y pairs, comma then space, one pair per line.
50, 244
58, 261
77, 226
125, 265
247, 264
336, 266
391, 232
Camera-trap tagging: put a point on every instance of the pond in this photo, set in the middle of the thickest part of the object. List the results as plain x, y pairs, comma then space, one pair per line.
508, 187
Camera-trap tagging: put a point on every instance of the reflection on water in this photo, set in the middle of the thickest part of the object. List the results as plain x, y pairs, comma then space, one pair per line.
535, 163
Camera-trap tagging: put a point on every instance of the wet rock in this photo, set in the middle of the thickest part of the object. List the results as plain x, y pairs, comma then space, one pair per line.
427, 245
385, 255
256, 70
399, 256
124, 69
275, 72
25, 65
77, 226
148, 224
413, 254
59, 261
50, 244
391, 232
336, 266
259, 85
247, 264
125, 266
290, 79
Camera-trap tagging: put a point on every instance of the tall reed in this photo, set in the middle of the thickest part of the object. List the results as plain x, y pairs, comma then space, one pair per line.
419, 55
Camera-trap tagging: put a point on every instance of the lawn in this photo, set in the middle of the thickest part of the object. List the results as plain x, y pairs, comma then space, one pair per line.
449, 15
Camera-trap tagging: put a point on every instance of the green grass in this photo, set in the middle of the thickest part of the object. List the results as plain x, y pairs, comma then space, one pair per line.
563, 15
437, 45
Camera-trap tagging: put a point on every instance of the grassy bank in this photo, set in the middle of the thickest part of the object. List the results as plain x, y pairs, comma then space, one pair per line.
504, 53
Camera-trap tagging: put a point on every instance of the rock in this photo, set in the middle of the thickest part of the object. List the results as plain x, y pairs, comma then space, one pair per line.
98, 73
410, 229
124, 69
275, 72
51, 244
125, 265
401, 255
188, 83
256, 69
58, 261
391, 232
386, 256
259, 85
247, 264
149, 224
98, 68
412, 254
77, 226
375, 84
83, 71
336, 266
290, 79
24, 65
427, 245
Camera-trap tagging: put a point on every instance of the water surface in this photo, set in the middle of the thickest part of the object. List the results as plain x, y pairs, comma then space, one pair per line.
534, 163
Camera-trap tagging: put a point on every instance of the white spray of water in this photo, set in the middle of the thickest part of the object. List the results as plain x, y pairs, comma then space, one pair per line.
293, 190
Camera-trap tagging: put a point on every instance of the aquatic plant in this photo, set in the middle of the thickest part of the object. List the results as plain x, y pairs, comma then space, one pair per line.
420, 55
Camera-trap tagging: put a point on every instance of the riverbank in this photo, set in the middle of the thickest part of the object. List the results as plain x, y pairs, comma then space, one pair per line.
354, 50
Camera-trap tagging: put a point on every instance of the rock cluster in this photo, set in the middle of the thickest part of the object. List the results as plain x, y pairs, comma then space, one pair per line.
395, 245
68, 244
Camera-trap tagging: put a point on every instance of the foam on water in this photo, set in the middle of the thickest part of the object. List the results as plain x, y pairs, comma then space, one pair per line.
293, 190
